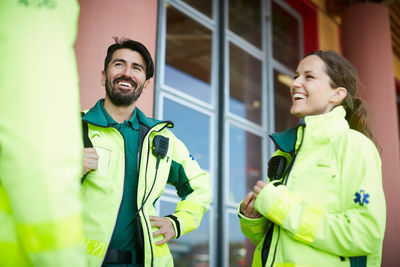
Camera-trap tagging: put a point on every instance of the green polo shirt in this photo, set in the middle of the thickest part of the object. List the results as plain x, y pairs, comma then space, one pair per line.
123, 237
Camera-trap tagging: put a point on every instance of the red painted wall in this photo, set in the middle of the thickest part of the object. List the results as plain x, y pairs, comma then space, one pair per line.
367, 44
309, 14
99, 21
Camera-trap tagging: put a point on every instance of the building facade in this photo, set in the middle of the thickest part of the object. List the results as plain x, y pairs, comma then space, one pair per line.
223, 70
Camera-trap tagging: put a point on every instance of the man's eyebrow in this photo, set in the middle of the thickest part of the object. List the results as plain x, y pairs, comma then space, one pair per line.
124, 61
118, 60
138, 65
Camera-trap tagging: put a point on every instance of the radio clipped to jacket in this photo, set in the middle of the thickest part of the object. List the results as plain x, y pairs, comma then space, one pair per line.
276, 168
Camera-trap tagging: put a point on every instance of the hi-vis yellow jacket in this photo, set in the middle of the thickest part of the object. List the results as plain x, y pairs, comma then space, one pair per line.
330, 209
103, 188
40, 135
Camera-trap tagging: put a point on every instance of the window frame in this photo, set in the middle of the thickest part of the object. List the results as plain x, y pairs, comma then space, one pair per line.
222, 36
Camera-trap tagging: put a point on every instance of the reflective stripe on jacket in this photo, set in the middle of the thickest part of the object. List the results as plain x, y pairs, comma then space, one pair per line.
103, 188
40, 148
330, 210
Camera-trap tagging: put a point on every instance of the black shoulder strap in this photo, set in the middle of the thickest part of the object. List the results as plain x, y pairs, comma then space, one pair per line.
143, 129
86, 140
85, 132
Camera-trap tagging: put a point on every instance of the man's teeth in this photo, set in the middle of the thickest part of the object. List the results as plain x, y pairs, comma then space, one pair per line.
125, 84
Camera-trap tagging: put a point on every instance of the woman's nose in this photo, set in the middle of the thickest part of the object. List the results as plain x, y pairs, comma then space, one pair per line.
296, 82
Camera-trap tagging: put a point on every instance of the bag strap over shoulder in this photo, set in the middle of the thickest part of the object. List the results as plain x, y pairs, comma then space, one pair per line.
86, 140
85, 132
143, 129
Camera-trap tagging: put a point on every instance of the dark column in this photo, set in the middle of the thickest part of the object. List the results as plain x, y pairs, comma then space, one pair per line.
367, 44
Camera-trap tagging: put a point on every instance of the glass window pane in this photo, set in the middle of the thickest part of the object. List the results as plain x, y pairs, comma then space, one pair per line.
193, 128
244, 162
283, 102
241, 250
191, 249
245, 84
204, 6
188, 56
245, 20
285, 35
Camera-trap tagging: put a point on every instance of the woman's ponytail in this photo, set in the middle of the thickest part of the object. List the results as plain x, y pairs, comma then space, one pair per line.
357, 116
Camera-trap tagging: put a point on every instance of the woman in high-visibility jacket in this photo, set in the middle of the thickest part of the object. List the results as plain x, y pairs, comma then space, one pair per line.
324, 204
40, 135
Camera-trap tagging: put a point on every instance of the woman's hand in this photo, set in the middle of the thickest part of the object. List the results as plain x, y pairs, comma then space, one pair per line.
247, 207
258, 187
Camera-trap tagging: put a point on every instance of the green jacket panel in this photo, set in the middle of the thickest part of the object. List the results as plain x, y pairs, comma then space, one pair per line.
331, 211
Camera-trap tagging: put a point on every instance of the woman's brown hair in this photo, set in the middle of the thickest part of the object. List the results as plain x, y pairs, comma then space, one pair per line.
343, 74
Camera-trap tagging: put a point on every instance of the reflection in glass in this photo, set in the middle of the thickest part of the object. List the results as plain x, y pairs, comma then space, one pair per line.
240, 248
192, 127
285, 35
244, 163
194, 87
283, 102
245, 84
204, 6
245, 20
188, 55
191, 249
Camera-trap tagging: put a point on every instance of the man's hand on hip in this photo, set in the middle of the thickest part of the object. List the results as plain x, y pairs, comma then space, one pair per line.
165, 228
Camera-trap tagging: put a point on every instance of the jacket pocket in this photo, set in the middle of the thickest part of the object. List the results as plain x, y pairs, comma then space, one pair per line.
103, 162
317, 182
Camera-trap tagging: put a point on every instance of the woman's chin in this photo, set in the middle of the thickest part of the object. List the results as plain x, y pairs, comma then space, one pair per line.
296, 113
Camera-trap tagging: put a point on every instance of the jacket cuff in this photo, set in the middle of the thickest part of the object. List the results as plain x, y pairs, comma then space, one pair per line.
268, 196
176, 224
276, 202
243, 218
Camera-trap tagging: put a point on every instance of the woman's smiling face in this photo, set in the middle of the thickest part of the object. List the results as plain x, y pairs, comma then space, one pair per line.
311, 89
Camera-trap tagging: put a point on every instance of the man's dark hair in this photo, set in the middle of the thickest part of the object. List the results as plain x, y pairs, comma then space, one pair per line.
134, 46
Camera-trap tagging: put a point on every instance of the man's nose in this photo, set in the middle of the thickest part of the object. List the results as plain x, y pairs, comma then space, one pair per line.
128, 72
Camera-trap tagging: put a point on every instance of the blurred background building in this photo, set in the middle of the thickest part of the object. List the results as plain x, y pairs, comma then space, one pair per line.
223, 70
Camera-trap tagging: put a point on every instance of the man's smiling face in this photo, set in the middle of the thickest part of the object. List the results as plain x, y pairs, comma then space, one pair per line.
125, 77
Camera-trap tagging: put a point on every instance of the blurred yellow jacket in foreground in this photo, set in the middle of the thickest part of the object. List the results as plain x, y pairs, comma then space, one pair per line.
40, 135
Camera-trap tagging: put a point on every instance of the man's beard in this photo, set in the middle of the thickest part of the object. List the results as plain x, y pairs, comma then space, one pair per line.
120, 98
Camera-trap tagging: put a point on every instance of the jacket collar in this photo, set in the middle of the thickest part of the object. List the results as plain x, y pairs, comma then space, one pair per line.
313, 130
323, 128
96, 116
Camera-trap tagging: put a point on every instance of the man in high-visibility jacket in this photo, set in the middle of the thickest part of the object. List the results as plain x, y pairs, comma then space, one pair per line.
132, 159
40, 152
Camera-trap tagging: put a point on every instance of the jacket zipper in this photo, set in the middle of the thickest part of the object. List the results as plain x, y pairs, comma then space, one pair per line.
145, 183
276, 245
147, 226
122, 195
123, 185
291, 164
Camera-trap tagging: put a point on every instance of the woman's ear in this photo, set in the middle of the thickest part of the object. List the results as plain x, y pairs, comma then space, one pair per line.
339, 94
